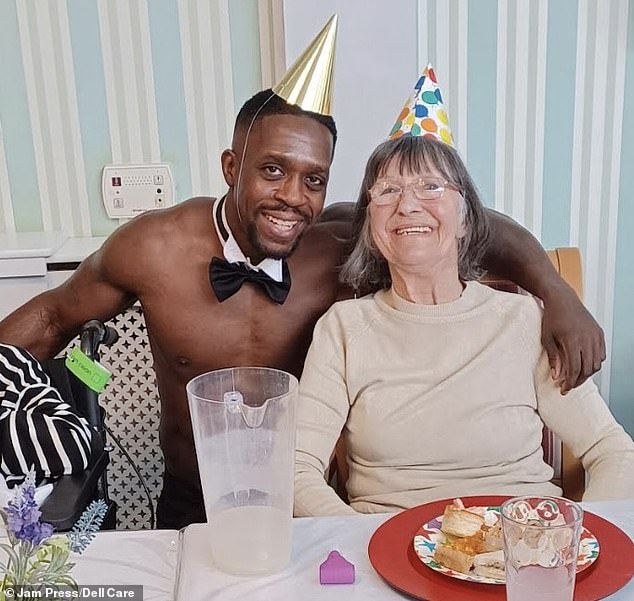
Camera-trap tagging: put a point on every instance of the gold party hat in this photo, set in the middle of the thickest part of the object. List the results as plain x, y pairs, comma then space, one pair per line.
308, 83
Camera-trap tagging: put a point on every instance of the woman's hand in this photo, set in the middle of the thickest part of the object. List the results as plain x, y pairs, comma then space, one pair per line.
572, 338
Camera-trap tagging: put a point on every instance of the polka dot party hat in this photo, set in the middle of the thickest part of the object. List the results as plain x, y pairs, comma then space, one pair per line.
424, 113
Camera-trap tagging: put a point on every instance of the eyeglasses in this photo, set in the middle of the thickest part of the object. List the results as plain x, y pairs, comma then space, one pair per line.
386, 192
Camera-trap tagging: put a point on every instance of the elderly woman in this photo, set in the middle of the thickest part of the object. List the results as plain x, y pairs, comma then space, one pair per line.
438, 383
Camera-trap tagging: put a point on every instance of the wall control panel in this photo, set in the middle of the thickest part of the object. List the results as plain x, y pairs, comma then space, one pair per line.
128, 190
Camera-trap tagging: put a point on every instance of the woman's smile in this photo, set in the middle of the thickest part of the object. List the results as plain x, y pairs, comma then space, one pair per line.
413, 230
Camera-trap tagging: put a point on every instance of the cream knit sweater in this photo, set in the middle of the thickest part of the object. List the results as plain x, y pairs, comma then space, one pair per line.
441, 401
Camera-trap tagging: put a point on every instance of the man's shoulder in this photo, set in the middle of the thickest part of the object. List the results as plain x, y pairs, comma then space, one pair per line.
188, 214
156, 240
171, 226
336, 220
323, 246
338, 211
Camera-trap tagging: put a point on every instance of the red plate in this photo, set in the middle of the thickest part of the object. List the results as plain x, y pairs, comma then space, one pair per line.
392, 555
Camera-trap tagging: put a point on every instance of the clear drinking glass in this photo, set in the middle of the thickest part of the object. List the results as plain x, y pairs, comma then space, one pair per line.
541, 544
243, 421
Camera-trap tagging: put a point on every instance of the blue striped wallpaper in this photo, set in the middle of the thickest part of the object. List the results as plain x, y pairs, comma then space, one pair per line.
560, 88
622, 386
91, 100
481, 80
16, 127
101, 93
169, 86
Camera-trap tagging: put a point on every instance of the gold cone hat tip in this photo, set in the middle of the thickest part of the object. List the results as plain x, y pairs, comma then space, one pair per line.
308, 83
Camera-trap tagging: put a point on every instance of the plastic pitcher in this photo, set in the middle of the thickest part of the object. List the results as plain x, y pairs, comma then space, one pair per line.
243, 421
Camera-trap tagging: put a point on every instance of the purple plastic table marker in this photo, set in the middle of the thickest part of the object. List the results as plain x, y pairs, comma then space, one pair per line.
336, 570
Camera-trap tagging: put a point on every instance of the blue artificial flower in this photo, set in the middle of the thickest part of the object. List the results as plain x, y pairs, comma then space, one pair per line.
36, 533
87, 526
32, 556
23, 517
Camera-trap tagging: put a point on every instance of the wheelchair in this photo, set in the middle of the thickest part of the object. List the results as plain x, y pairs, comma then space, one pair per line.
73, 493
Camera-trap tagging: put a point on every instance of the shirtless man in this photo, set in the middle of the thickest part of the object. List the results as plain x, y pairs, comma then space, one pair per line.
276, 192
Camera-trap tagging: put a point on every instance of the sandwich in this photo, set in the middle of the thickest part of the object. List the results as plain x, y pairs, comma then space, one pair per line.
493, 540
470, 543
460, 522
458, 550
490, 565
454, 559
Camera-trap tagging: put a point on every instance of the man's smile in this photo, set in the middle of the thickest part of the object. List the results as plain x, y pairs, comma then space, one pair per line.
281, 227
283, 223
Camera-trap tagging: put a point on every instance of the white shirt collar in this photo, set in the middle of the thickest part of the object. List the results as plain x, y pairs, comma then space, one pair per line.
232, 251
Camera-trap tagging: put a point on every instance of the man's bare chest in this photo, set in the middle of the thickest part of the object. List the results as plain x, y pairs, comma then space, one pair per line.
194, 333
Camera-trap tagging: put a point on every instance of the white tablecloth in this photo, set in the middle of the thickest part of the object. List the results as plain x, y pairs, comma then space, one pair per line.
168, 561
146, 557
313, 538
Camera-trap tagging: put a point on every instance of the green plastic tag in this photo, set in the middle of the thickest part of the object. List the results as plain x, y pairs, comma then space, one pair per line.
92, 374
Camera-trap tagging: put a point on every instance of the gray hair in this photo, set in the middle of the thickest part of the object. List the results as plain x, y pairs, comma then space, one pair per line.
366, 270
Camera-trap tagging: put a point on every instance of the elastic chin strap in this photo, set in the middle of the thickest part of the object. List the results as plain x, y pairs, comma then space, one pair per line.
244, 152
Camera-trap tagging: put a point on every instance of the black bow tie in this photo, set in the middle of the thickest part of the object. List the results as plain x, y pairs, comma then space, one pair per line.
227, 278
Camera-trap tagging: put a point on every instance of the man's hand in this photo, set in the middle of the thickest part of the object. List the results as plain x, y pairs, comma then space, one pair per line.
572, 338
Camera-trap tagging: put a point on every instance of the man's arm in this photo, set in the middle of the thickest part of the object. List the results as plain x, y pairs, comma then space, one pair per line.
572, 338
97, 290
